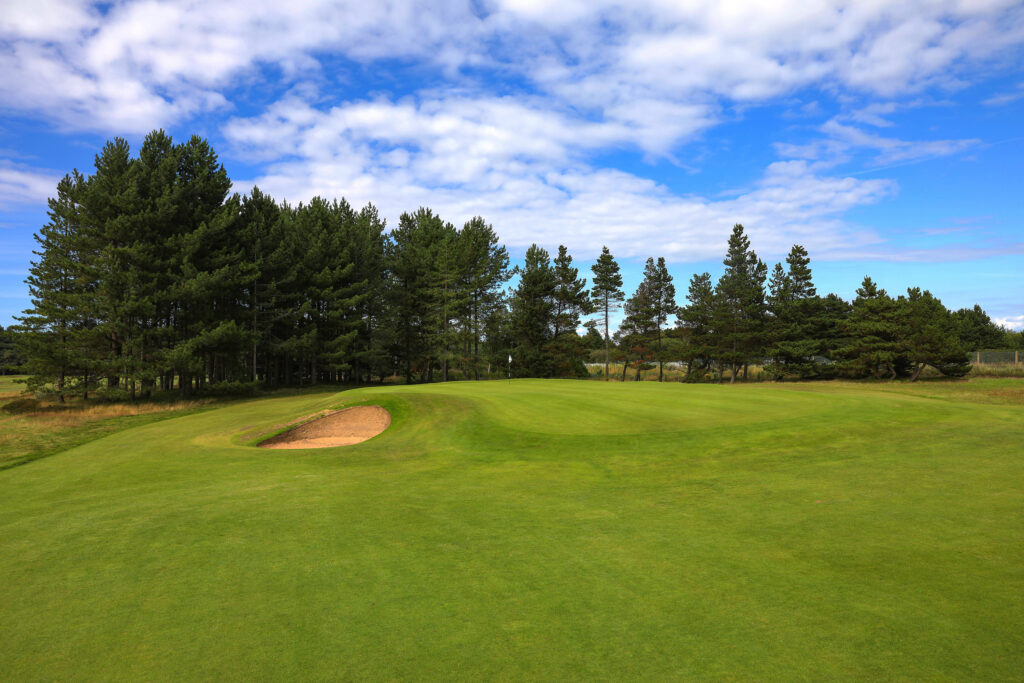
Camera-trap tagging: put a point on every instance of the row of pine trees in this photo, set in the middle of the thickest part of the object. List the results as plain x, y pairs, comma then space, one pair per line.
151, 276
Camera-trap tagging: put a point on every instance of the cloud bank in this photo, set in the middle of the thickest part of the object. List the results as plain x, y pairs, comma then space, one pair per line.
520, 102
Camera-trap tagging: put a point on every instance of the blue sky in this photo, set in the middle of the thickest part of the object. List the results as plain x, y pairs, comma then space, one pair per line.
885, 137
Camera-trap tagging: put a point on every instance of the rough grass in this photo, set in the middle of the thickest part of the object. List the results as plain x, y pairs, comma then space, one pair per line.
534, 530
998, 369
31, 428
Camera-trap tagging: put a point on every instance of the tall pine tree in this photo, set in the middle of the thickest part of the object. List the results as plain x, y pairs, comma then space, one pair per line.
697, 320
740, 305
571, 302
606, 294
532, 314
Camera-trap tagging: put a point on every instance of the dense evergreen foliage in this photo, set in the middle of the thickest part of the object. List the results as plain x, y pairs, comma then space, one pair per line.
151, 275
607, 295
11, 360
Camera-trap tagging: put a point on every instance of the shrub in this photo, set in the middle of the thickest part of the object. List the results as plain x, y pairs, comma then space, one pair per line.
232, 389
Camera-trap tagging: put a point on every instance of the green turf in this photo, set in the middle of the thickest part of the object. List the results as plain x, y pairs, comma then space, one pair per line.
542, 530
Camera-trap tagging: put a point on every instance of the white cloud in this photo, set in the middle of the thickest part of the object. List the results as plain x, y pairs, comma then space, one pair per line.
1014, 322
50, 20
560, 83
22, 185
662, 66
1006, 97
841, 141
156, 62
892, 150
524, 169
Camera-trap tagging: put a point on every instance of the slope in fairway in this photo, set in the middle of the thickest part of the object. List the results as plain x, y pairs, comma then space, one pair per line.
532, 529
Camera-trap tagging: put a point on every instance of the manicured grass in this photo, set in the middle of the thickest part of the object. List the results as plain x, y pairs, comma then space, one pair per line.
534, 530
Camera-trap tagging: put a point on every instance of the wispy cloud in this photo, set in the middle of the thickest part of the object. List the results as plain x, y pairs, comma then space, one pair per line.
841, 141
662, 67
20, 184
531, 95
1006, 97
937, 254
527, 171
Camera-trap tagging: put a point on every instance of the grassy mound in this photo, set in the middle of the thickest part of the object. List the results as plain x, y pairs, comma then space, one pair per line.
533, 529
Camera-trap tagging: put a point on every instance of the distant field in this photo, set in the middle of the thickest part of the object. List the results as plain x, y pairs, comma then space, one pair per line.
532, 530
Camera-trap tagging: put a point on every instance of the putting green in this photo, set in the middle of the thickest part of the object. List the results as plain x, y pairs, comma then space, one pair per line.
533, 529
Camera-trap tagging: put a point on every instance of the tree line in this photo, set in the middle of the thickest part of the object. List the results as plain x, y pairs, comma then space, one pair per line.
151, 275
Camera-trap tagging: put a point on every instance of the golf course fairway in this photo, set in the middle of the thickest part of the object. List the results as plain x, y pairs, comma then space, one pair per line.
537, 530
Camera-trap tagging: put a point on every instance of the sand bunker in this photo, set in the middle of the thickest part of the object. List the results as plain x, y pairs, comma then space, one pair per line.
342, 428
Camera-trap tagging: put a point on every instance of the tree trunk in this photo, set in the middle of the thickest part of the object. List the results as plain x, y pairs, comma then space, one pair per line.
607, 343
917, 371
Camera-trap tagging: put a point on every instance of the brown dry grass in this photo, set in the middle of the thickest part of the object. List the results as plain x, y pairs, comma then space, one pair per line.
71, 415
31, 428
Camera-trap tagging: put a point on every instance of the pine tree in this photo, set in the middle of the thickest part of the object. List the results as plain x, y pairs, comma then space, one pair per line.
740, 311
207, 263
12, 362
872, 333
148, 269
780, 288
795, 327
976, 331
370, 351
639, 329
55, 333
283, 298
451, 294
607, 294
485, 268
696, 320
592, 340
153, 253
259, 214
929, 336
571, 301
799, 274
110, 213
423, 289
532, 313
663, 301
